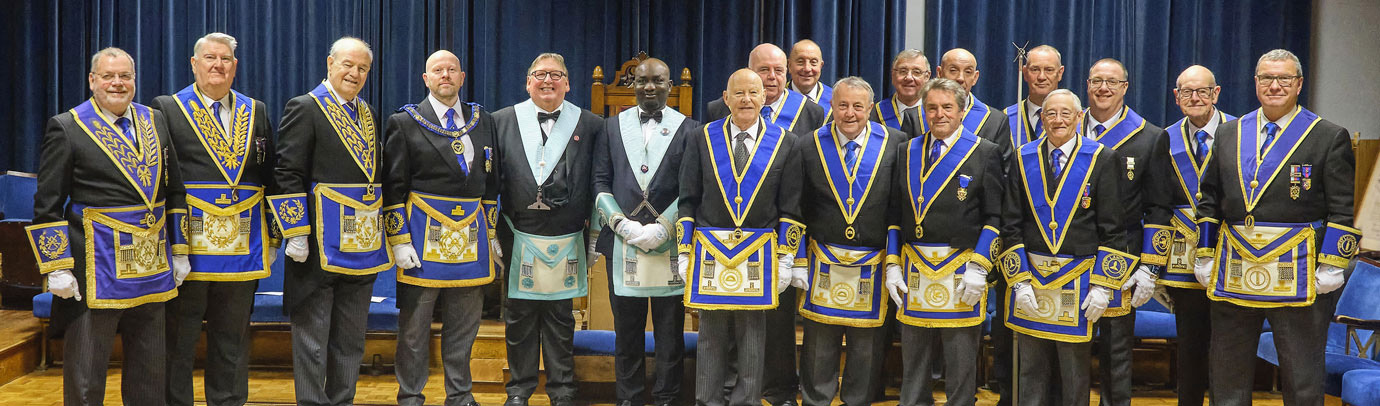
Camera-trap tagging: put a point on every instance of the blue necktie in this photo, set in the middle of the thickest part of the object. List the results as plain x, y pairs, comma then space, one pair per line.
350, 109
1202, 145
766, 113
215, 112
450, 120
1270, 130
1055, 159
850, 157
125, 130
1099, 130
934, 153
1039, 121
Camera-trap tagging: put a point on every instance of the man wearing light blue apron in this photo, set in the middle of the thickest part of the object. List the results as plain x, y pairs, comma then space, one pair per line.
637, 177
545, 145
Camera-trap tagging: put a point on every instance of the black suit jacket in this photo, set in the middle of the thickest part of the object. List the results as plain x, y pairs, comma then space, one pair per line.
1099, 225
418, 159
1137, 170
820, 210
811, 116
951, 221
568, 190
778, 196
613, 174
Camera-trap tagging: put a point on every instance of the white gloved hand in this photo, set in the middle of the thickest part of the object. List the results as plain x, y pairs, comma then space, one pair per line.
181, 266
1025, 298
1143, 281
800, 278
1330, 278
683, 267
628, 229
784, 264
405, 255
498, 250
297, 248
1202, 269
63, 284
652, 236
1096, 303
896, 284
1162, 296
974, 283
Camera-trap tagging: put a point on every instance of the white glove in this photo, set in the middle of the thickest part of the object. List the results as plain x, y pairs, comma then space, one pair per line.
297, 248
181, 266
1143, 281
974, 283
498, 250
1162, 296
800, 278
1202, 269
784, 264
1096, 303
63, 284
896, 284
1025, 298
628, 229
683, 267
652, 236
405, 256
1330, 278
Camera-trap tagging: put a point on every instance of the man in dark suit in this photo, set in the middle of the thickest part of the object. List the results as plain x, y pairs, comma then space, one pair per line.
1117, 126
960, 66
1065, 258
637, 177
107, 180
329, 207
1171, 230
1042, 72
226, 150
1279, 176
949, 187
909, 72
440, 203
738, 232
783, 106
848, 165
806, 62
546, 147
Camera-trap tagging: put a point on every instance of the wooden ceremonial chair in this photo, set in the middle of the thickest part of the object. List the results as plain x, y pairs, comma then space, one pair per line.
610, 99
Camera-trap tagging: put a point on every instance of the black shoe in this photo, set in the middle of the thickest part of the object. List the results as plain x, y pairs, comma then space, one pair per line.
515, 401
472, 403
564, 402
788, 402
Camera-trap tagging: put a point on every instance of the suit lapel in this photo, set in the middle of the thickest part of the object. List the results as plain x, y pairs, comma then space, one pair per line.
440, 143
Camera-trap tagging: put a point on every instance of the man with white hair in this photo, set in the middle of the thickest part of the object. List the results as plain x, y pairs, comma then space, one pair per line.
1064, 258
107, 182
226, 150
329, 207
847, 205
1275, 235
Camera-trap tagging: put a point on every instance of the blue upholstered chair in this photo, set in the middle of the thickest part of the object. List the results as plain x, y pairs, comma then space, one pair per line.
1351, 342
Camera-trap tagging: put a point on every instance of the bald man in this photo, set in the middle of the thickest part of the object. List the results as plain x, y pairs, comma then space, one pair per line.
960, 66
806, 62
738, 232
782, 106
1042, 72
440, 204
637, 181
1182, 154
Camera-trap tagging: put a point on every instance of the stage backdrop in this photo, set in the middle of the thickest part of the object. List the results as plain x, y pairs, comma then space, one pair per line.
1156, 39
283, 46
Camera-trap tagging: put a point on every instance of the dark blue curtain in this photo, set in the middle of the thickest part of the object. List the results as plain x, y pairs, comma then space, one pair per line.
283, 46
1156, 39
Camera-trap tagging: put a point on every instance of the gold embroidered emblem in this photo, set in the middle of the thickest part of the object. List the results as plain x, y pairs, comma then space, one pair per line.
1160, 241
1346, 245
793, 236
53, 244
1010, 263
1114, 266
394, 222
996, 247
291, 211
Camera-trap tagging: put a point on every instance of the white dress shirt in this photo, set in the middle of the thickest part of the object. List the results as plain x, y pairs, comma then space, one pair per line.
440, 110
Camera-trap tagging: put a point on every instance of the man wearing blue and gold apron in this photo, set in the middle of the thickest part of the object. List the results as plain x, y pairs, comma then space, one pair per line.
329, 206
806, 62
949, 187
108, 182
1275, 231
737, 236
847, 207
546, 145
226, 150
1062, 218
783, 107
1115, 125
960, 66
440, 206
637, 176
909, 72
1171, 231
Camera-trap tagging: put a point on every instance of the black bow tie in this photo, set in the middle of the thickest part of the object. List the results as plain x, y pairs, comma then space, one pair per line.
644, 116
542, 117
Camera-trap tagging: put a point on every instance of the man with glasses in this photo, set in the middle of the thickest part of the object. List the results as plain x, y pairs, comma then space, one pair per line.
546, 144
1064, 258
1171, 224
329, 206
107, 179
909, 72
226, 151
1278, 177
441, 203
1115, 125
1042, 72
784, 107
960, 66
806, 62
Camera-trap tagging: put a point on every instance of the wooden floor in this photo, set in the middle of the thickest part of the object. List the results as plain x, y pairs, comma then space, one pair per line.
275, 388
